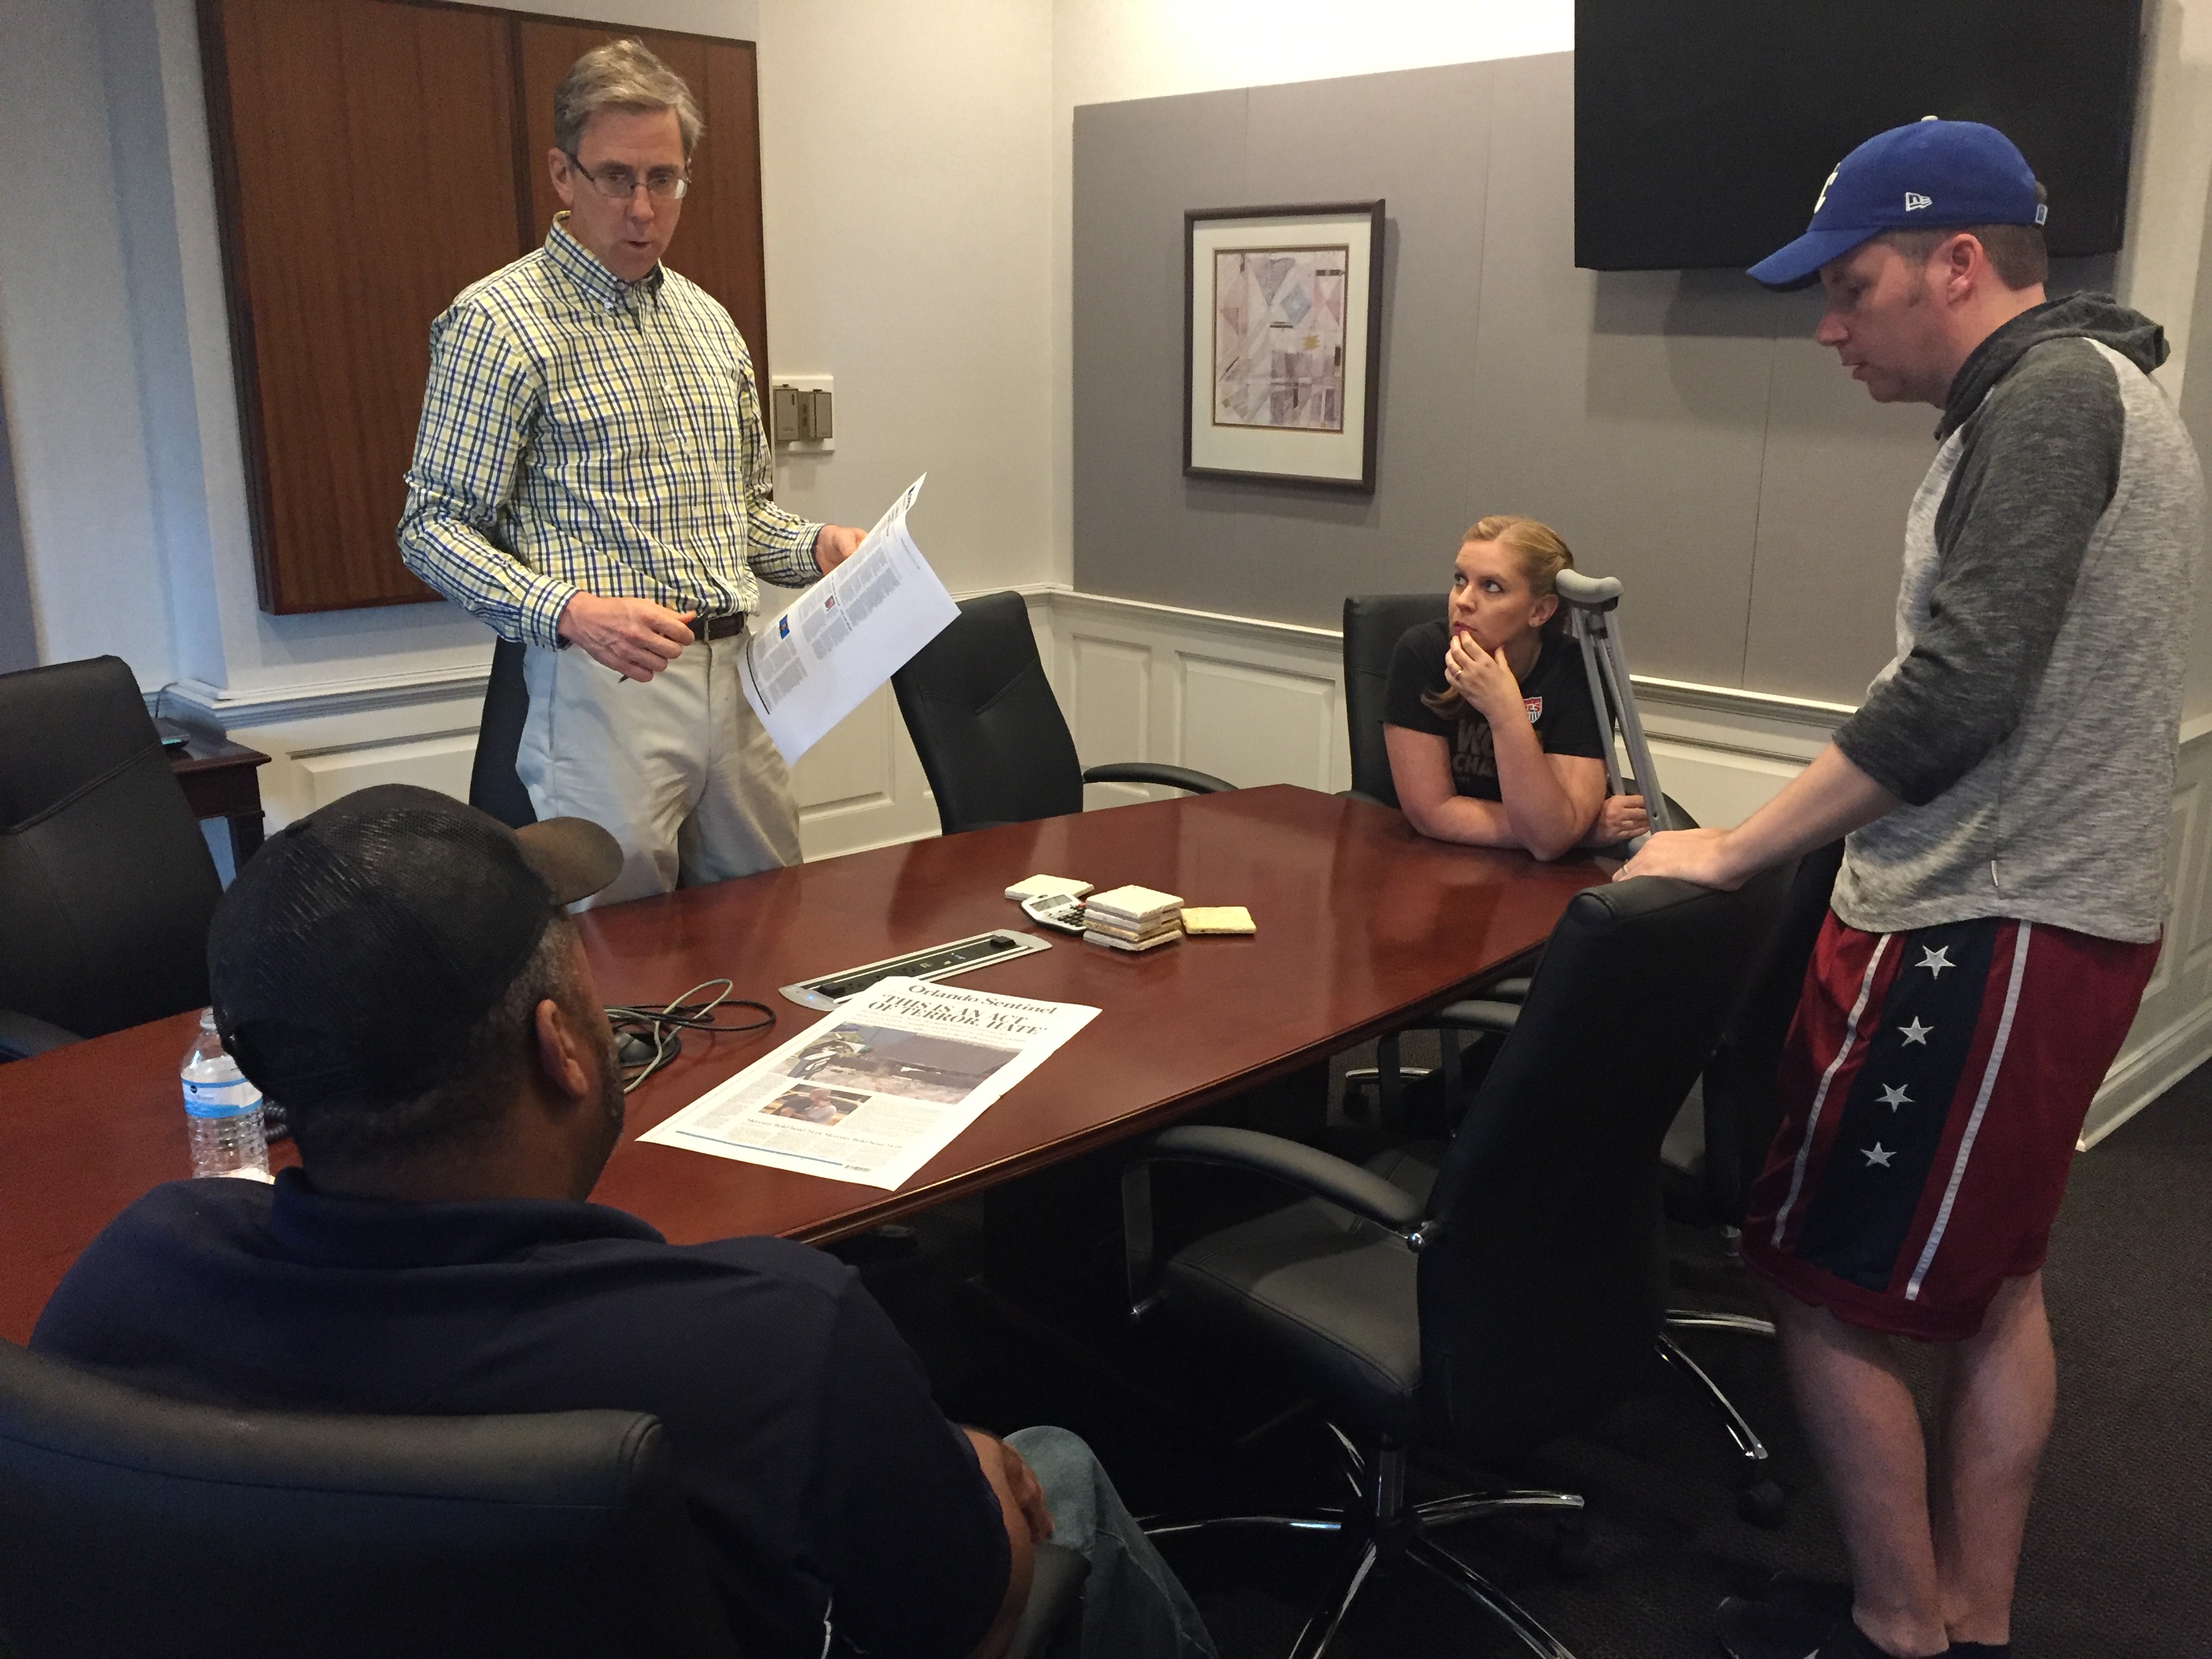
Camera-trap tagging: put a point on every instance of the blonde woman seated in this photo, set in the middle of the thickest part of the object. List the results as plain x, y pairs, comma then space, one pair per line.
1493, 737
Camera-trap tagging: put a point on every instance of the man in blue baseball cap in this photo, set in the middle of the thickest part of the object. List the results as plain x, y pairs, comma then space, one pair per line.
2005, 790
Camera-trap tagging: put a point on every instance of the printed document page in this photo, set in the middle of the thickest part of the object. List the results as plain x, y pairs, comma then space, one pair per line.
876, 1090
846, 635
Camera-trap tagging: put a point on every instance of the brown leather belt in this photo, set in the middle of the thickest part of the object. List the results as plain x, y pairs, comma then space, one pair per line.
717, 628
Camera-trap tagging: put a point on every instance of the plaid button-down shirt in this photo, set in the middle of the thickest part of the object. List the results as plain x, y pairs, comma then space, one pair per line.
582, 432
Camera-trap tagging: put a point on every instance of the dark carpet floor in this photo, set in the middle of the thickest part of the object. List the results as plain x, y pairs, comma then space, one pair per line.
2118, 1557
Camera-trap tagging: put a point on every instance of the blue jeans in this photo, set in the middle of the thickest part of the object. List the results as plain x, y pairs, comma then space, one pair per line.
1133, 1606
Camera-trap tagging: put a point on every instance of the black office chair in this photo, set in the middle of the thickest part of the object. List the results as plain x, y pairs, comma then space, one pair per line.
1708, 1174
106, 881
1489, 1015
993, 741
130, 1523
1373, 625
1482, 1298
1707, 1167
134, 1524
1741, 1110
494, 785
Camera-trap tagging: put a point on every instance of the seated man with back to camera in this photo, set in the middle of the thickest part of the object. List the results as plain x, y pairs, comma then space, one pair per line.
1507, 749
398, 970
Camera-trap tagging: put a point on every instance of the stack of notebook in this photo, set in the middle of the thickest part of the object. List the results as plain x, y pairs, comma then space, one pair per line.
1131, 919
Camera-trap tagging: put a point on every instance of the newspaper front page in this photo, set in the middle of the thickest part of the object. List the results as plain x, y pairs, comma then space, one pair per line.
845, 636
874, 1091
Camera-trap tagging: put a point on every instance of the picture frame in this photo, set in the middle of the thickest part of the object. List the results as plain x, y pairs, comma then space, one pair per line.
1283, 343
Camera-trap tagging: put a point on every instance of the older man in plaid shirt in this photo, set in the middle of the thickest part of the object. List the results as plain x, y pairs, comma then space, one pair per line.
591, 471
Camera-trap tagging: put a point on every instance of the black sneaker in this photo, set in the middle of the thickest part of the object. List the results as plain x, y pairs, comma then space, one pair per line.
1791, 1619
1752, 1630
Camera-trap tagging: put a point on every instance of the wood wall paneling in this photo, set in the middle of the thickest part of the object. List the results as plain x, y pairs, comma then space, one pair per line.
365, 175
373, 158
718, 240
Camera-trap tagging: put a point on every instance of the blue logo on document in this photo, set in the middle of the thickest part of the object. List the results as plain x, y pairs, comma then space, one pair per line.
783, 627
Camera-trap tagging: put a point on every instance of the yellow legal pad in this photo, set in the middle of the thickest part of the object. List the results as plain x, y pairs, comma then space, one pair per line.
1216, 919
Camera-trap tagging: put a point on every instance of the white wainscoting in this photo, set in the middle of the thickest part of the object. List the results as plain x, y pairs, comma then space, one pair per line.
1263, 703
1252, 701
2172, 1033
862, 787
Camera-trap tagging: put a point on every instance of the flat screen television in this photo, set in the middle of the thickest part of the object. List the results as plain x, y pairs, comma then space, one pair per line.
1705, 127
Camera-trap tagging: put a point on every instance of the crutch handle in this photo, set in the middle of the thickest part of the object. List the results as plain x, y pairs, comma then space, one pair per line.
1591, 592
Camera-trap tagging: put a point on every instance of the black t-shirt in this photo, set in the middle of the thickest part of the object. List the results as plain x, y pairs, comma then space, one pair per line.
1556, 694
826, 1485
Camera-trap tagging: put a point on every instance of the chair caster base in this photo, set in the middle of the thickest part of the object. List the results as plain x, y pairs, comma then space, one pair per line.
1761, 1502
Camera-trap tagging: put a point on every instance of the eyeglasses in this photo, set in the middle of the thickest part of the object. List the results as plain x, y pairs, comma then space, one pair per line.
662, 183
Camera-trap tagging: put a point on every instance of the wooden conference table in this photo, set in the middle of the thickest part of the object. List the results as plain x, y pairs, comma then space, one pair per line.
1362, 925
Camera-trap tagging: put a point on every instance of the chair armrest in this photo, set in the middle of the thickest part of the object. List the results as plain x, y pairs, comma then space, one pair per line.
23, 1035
1515, 989
1360, 795
1176, 777
1477, 1016
1321, 1173
1056, 1591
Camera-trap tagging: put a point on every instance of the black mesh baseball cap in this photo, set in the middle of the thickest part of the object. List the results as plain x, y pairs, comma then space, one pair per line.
355, 949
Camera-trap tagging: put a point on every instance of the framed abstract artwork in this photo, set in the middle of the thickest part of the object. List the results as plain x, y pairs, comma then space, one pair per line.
1283, 343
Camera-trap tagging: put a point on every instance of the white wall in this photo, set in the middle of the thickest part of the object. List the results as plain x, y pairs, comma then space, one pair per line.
82, 485
906, 194
2172, 170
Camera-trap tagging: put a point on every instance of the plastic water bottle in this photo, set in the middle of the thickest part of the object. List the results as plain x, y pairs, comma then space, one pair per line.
222, 1110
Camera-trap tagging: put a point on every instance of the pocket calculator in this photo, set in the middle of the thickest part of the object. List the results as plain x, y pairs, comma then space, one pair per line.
1061, 910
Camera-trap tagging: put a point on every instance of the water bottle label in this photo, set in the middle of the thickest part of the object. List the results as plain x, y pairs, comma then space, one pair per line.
233, 1099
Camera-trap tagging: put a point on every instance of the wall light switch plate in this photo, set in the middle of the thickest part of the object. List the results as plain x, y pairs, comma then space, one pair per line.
800, 406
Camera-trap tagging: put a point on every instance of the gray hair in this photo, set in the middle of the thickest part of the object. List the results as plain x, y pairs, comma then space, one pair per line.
622, 75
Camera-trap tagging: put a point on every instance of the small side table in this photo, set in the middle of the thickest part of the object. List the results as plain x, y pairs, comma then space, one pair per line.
219, 778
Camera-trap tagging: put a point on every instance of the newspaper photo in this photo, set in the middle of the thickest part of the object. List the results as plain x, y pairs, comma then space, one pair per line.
845, 636
874, 1091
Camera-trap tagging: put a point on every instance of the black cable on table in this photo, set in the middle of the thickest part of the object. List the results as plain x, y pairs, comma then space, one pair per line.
660, 1026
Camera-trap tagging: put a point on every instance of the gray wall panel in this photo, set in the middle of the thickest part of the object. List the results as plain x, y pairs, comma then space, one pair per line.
1138, 166
1640, 445
1841, 470
1142, 530
1420, 141
19, 638
1679, 428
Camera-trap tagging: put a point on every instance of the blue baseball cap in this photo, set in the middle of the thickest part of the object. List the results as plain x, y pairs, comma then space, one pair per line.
1931, 174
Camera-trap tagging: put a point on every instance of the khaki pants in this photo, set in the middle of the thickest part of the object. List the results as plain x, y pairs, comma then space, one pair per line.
678, 770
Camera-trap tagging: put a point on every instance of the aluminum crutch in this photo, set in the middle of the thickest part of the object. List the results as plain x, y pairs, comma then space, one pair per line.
1593, 604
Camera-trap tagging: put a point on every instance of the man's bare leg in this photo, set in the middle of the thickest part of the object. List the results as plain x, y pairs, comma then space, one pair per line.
1858, 1411
1996, 1393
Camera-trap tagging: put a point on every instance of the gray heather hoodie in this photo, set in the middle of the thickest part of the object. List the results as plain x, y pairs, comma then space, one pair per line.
2030, 716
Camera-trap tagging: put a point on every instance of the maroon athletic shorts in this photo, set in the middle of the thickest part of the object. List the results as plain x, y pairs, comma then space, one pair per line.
1933, 1088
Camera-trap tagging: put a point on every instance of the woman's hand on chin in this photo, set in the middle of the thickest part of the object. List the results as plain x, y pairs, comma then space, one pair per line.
1482, 678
